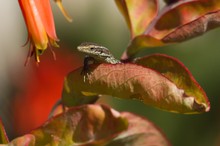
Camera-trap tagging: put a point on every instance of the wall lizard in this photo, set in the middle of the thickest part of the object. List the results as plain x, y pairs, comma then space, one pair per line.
96, 54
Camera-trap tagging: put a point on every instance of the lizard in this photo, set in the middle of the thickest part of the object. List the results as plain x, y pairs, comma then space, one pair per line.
94, 54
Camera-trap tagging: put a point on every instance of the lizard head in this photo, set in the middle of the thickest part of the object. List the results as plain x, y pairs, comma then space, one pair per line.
94, 50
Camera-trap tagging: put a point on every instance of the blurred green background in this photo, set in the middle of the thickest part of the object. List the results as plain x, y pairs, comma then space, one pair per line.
100, 21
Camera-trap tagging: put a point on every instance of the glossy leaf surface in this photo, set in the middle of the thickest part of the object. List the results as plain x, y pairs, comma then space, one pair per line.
176, 72
132, 81
138, 14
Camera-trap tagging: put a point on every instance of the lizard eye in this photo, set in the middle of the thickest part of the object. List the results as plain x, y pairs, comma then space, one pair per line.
91, 48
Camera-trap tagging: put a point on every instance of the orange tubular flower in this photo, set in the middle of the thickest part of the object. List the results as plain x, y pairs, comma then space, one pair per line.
40, 24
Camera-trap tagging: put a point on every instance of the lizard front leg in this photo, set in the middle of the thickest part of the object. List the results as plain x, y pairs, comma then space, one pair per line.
88, 60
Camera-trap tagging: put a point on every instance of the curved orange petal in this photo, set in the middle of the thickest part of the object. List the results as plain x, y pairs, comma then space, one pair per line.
34, 24
45, 12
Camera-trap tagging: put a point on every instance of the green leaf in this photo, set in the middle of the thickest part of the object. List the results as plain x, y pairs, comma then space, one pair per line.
3, 135
132, 81
138, 14
176, 72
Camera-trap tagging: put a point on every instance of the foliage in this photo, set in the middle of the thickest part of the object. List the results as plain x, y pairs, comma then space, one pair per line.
93, 125
178, 22
157, 80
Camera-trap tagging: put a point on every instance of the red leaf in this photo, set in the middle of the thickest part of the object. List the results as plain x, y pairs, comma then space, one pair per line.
84, 125
132, 81
140, 132
176, 72
187, 20
94, 125
179, 22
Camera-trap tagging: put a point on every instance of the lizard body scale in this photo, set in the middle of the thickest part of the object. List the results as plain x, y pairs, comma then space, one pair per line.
99, 53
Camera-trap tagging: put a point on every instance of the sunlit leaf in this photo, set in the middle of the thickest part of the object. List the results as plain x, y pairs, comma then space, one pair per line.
131, 81
94, 125
85, 125
175, 71
187, 20
3, 135
177, 23
138, 14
